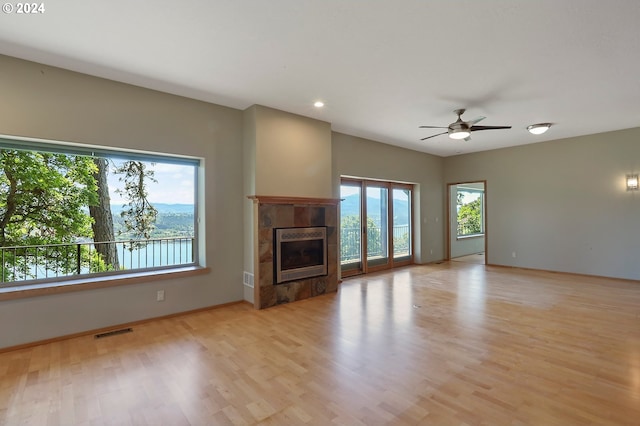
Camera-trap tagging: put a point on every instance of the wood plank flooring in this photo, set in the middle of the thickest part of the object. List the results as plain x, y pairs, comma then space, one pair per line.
448, 344
471, 258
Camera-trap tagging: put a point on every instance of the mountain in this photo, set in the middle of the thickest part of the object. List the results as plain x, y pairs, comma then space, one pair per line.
162, 208
350, 206
172, 220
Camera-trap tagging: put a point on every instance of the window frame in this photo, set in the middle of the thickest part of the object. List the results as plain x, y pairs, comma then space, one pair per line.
482, 213
74, 282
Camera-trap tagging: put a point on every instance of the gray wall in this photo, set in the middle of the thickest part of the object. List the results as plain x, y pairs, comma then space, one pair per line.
249, 176
357, 157
293, 155
44, 102
560, 205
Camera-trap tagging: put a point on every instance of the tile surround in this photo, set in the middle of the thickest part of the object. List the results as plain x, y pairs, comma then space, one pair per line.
286, 212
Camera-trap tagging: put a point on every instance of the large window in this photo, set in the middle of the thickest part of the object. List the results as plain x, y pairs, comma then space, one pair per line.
470, 208
68, 211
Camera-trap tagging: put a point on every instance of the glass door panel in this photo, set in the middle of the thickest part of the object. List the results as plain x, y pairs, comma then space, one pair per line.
351, 228
385, 239
402, 244
377, 225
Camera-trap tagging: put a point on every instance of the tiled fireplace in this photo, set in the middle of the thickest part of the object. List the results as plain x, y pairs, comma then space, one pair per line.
305, 230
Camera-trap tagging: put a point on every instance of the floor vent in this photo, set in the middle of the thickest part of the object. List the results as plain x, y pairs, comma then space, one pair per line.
113, 333
247, 279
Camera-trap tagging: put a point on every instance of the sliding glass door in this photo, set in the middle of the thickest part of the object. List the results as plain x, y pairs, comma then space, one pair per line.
402, 229
351, 228
376, 225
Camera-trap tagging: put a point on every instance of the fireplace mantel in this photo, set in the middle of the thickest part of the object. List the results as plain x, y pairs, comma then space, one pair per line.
273, 212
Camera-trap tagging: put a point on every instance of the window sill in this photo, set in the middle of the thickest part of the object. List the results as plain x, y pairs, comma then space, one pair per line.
91, 283
466, 237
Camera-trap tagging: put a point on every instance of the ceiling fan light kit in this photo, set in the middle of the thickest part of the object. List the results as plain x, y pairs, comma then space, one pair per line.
538, 129
460, 129
459, 134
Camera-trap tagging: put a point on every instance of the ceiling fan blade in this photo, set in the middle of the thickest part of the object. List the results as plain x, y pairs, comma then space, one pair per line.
432, 127
475, 120
433, 136
476, 128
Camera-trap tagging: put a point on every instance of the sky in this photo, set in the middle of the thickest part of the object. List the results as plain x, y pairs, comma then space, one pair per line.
175, 184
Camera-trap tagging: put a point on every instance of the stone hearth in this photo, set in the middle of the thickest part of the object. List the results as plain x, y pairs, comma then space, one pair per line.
287, 212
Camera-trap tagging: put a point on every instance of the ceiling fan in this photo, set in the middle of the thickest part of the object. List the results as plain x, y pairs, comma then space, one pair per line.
462, 129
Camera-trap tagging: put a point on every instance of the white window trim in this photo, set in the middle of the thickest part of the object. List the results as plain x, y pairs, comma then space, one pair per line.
482, 225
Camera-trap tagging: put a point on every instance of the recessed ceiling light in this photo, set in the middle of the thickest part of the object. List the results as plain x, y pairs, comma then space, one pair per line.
318, 104
538, 129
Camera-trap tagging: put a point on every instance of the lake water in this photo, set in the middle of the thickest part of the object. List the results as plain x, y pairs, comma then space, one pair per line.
156, 253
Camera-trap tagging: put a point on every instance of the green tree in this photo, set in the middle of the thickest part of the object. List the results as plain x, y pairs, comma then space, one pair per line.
49, 202
470, 217
43, 200
374, 238
350, 239
102, 223
139, 214
401, 243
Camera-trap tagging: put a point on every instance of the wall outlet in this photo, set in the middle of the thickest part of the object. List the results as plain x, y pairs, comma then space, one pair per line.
431, 251
160, 296
513, 254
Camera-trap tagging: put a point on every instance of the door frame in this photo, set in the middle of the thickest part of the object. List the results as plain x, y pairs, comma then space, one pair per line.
389, 185
361, 270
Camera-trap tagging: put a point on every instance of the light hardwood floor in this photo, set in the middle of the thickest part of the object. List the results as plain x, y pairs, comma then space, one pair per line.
471, 258
448, 344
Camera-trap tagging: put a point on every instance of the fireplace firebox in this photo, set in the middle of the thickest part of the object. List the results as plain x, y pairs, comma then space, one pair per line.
300, 253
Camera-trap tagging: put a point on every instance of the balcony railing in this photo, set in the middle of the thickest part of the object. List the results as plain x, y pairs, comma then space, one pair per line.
22, 263
468, 229
350, 246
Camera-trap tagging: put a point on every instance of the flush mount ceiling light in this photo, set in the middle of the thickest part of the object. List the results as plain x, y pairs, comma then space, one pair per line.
318, 104
538, 129
632, 182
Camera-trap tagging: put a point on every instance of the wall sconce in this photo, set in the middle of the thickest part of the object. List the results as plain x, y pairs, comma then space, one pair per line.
632, 182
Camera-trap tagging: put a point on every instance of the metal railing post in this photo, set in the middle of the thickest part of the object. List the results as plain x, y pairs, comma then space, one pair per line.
78, 260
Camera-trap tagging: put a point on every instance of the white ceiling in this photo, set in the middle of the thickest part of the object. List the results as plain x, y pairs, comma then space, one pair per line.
383, 68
